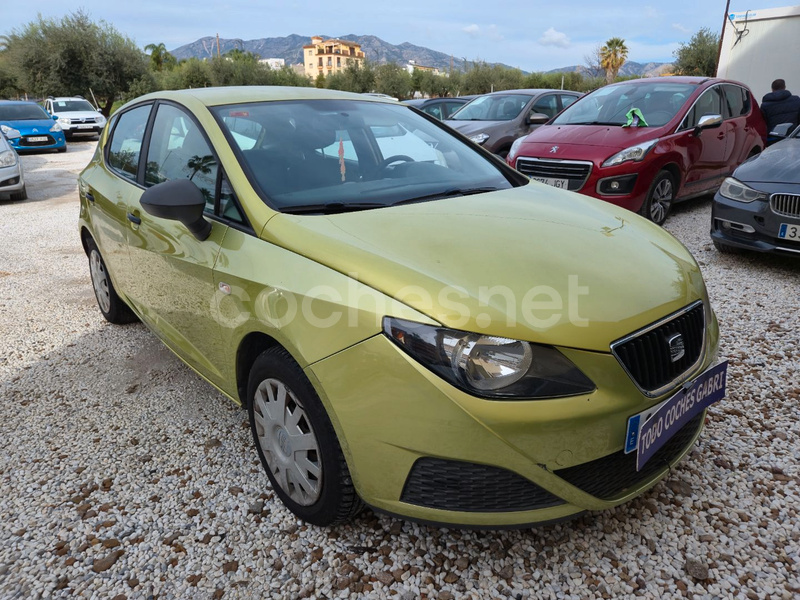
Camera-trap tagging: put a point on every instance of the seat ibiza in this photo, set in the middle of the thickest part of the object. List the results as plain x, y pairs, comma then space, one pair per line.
410, 323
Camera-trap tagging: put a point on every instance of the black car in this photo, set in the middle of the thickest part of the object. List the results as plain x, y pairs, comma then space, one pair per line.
758, 208
441, 108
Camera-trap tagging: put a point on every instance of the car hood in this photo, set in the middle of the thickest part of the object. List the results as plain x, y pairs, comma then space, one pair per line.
469, 128
78, 114
777, 164
27, 127
477, 263
603, 136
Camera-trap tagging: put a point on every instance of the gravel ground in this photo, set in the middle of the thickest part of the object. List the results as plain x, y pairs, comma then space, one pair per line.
124, 475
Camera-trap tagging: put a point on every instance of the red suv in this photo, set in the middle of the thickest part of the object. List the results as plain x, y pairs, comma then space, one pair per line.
645, 143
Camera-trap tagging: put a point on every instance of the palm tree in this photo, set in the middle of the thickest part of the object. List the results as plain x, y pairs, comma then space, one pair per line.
612, 57
159, 56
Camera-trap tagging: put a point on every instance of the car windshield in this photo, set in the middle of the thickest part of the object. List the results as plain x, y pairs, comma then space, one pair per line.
72, 106
492, 108
658, 102
22, 112
339, 155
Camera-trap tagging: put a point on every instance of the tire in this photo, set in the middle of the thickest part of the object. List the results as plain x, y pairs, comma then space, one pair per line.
20, 195
113, 308
660, 197
725, 249
328, 496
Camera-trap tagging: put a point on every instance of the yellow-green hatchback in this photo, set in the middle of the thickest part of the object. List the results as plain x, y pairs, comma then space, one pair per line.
410, 323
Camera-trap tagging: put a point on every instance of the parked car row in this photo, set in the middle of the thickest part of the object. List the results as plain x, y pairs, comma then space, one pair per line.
395, 381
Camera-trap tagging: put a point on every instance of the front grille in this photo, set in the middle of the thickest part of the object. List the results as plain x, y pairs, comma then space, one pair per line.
787, 205
575, 172
646, 356
470, 487
81, 121
613, 475
25, 141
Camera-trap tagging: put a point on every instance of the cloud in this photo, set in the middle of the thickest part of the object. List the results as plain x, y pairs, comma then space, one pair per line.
681, 28
552, 37
472, 30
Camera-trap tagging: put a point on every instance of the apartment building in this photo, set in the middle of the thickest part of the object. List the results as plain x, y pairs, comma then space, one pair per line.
329, 56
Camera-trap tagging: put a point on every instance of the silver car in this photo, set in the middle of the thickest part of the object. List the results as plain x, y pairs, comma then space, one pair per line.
12, 181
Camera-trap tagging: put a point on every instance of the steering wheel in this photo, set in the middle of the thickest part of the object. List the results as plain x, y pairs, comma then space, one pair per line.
393, 159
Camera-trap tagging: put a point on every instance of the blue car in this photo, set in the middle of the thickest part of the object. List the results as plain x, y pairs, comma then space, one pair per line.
28, 127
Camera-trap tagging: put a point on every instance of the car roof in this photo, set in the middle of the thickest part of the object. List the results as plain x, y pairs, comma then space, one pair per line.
218, 96
18, 102
68, 98
531, 91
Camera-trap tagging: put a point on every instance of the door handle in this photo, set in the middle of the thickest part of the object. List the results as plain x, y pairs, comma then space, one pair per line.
134, 219
90, 197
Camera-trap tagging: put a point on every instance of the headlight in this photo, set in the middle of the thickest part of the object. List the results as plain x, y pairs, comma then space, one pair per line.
512, 153
8, 158
479, 138
64, 120
635, 153
10, 132
55, 128
488, 366
735, 190
100, 120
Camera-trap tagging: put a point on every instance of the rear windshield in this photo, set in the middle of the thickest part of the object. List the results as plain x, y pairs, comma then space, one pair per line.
493, 108
22, 112
658, 102
340, 155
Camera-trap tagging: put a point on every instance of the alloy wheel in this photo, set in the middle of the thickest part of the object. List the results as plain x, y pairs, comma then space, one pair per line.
662, 199
288, 441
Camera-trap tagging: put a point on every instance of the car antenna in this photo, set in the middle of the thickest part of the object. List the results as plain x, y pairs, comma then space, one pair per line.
96, 105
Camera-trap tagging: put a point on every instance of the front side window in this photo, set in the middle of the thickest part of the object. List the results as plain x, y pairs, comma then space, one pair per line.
335, 155
178, 150
493, 108
546, 105
709, 103
126, 141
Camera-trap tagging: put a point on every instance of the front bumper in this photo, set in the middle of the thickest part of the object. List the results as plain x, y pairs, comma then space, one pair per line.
55, 140
750, 226
11, 179
405, 432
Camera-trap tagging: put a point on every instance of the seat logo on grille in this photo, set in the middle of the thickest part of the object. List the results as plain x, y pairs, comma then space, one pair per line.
554, 149
676, 347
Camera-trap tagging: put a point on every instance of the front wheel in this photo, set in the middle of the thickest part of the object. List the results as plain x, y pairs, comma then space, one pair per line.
20, 195
660, 197
296, 442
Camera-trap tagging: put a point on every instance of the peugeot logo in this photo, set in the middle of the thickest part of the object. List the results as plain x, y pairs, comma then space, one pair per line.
554, 149
676, 348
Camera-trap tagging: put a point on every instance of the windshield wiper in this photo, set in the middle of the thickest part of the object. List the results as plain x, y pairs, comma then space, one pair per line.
593, 123
331, 207
447, 194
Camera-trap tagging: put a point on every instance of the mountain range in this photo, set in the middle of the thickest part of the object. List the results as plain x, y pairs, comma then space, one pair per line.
290, 48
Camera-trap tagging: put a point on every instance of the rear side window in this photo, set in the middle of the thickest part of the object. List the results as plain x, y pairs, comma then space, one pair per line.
735, 101
126, 141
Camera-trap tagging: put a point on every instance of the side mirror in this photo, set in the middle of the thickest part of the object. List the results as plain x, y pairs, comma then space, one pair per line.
54, 117
707, 122
782, 131
537, 118
178, 200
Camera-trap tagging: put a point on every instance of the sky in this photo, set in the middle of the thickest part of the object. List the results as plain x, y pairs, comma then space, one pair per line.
533, 35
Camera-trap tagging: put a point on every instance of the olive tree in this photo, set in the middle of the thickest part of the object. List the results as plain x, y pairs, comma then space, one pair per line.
73, 55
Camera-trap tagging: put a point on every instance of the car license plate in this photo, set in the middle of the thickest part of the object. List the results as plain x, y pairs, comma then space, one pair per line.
789, 232
650, 429
37, 138
559, 183
85, 126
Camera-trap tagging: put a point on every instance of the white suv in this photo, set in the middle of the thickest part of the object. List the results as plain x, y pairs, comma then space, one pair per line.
75, 115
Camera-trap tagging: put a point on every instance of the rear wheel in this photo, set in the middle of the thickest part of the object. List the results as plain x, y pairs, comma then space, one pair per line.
113, 308
658, 202
296, 442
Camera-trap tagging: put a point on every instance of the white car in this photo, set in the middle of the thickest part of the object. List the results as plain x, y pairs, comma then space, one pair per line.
12, 182
75, 115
